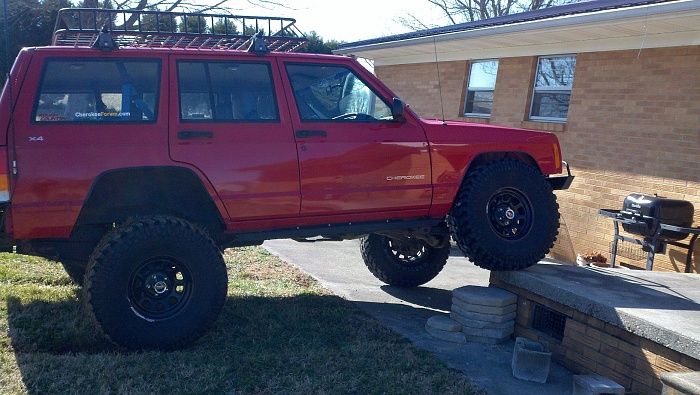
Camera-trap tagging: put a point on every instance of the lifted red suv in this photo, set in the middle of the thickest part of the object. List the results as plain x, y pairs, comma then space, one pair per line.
136, 153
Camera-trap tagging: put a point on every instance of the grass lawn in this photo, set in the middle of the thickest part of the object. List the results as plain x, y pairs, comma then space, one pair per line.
280, 333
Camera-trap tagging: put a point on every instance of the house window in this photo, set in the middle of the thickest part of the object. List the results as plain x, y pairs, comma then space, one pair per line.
482, 81
553, 81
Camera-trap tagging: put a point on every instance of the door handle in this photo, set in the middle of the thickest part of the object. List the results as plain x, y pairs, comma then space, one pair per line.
311, 133
186, 135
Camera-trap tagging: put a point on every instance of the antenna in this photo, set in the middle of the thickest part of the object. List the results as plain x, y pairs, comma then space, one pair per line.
437, 66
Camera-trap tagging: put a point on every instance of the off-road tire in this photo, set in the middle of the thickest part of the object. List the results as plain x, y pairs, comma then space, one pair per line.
75, 271
396, 263
480, 218
156, 283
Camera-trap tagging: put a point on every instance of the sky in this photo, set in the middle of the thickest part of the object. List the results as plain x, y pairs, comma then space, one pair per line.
346, 20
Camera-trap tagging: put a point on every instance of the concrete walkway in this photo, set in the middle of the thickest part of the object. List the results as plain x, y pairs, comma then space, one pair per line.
339, 267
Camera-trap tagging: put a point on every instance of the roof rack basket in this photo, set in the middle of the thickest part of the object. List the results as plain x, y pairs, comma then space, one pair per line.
162, 29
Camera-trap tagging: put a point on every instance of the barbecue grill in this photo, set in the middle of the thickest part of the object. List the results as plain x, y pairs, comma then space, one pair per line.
657, 221
646, 213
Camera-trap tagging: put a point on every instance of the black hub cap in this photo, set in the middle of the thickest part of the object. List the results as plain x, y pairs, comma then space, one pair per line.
160, 288
510, 214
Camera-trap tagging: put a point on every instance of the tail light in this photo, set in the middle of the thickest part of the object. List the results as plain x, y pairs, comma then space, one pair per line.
4, 176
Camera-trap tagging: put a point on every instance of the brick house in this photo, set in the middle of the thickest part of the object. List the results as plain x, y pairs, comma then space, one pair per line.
617, 81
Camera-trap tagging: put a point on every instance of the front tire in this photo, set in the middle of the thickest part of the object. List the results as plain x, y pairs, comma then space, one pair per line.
505, 216
405, 263
156, 283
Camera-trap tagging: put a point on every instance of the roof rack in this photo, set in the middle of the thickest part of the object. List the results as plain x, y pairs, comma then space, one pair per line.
162, 29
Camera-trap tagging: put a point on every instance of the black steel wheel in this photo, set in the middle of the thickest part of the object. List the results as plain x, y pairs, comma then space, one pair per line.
402, 262
160, 288
156, 283
505, 215
510, 214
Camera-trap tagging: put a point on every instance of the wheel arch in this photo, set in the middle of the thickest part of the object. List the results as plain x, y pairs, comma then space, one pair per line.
490, 156
119, 194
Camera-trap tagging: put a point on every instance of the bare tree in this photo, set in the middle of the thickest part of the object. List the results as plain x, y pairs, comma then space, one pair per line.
461, 11
224, 6
220, 6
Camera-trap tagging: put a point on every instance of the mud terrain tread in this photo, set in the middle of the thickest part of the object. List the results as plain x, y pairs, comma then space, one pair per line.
388, 269
470, 227
105, 283
75, 272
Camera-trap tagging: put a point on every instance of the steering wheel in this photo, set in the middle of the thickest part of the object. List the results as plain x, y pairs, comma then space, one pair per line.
355, 115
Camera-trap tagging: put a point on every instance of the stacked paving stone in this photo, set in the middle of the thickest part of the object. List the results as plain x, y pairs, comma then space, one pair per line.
478, 314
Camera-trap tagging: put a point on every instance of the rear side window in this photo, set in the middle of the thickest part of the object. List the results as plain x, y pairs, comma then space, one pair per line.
98, 91
226, 92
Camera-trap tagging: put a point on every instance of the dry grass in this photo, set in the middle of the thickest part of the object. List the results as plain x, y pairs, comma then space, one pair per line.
280, 333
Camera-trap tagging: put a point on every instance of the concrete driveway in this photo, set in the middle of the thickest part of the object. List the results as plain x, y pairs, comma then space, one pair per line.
339, 267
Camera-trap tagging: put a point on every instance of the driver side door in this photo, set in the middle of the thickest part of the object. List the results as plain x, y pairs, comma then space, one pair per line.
354, 158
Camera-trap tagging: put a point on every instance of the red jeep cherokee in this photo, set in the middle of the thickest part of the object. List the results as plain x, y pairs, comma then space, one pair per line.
136, 155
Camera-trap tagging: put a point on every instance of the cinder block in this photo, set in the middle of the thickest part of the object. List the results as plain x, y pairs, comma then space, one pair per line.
596, 385
486, 296
531, 360
444, 323
486, 325
485, 340
456, 310
453, 337
483, 309
495, 333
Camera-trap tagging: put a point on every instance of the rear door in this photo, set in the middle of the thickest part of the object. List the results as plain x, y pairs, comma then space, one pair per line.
81, 116
354, 158
227, 122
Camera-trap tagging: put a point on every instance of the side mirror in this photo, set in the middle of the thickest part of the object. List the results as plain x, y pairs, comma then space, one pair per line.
397, 110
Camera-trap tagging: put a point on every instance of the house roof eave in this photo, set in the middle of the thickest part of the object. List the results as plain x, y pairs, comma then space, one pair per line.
579, 27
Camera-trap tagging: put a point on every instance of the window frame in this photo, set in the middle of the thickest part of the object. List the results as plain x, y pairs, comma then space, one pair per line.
468, 89
551, 90
157, 91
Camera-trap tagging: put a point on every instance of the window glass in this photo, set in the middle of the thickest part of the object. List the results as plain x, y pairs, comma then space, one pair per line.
482, 82
195, 102
334, 93
114, 90
226, 92
482, 74
553, 82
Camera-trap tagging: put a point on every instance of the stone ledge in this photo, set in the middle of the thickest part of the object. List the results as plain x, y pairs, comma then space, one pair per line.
682, 383
645, 303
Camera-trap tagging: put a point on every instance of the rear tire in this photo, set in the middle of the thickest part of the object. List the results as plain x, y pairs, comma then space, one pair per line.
505, 216
404, 262
156, 283
75, 271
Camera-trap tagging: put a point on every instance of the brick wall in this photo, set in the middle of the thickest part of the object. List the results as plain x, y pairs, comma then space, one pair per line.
592, 346
633, 126
417, 85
